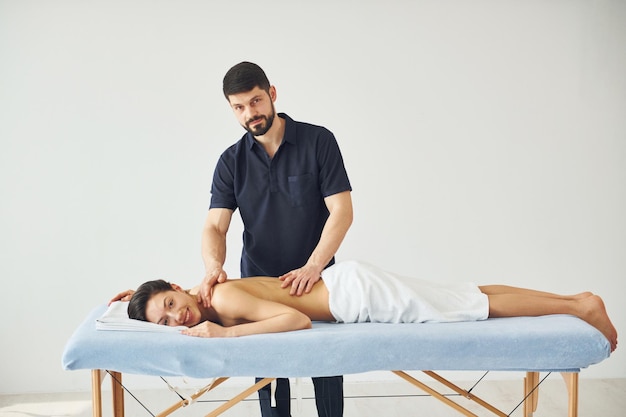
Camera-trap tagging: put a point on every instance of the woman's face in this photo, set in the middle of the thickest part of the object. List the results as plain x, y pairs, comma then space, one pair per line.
173, 308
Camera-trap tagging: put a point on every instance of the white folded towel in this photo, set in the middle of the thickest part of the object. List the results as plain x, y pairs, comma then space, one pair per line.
116, 318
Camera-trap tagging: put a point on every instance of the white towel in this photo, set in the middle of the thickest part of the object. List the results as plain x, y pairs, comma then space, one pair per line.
359, 292
116, 318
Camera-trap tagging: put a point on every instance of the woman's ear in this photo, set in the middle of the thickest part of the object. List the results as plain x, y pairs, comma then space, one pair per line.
176, 287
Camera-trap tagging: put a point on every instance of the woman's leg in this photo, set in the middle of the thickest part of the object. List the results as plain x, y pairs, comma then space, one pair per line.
505, 289
524, 302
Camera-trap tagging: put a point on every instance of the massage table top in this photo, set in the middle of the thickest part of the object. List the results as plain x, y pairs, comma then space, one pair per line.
548, 343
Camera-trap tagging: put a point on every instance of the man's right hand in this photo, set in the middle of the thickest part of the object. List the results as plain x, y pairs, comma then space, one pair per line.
212, 277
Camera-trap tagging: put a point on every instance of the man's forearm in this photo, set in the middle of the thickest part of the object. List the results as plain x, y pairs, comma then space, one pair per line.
330, 241
213, 245
334, 232
213, 249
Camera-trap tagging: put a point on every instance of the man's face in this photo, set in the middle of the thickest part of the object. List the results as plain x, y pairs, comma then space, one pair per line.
173, 308
254, 110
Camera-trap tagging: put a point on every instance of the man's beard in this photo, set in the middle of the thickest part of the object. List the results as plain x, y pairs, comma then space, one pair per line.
262, 128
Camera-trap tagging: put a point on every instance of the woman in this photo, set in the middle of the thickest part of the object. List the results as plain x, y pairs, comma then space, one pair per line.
350, 292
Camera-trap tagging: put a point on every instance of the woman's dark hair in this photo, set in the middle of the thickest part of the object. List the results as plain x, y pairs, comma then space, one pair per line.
137, 304
243, 77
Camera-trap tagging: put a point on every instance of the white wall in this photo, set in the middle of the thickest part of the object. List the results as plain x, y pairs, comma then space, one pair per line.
485, 140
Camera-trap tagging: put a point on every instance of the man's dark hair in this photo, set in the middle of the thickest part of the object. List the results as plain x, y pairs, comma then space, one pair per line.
137, 304
243, 77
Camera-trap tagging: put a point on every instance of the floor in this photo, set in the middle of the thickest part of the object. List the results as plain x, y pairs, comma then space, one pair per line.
597, 397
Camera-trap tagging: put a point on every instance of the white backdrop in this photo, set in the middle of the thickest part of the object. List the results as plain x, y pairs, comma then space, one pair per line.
485, 140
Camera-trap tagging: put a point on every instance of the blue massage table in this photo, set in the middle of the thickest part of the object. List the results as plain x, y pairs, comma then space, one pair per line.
557, 343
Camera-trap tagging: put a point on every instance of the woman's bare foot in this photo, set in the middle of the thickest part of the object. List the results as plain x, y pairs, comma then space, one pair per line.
593, 311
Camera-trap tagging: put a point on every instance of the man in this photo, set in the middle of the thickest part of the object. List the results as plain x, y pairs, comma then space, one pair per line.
290, 185
351, 292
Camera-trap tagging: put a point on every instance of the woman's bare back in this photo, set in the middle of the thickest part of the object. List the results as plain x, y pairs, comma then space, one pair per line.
314, 304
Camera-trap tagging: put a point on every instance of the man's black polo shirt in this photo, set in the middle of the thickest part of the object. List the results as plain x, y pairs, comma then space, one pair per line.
281, 200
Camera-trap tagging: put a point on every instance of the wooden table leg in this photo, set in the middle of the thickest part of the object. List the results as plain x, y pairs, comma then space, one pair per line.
117, 394
96, 392
531, 393
571, 381
244, 394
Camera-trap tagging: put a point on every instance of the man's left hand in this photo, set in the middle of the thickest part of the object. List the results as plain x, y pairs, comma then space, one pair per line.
301, 280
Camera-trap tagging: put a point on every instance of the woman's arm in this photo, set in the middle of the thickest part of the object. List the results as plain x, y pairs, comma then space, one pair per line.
242, 314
